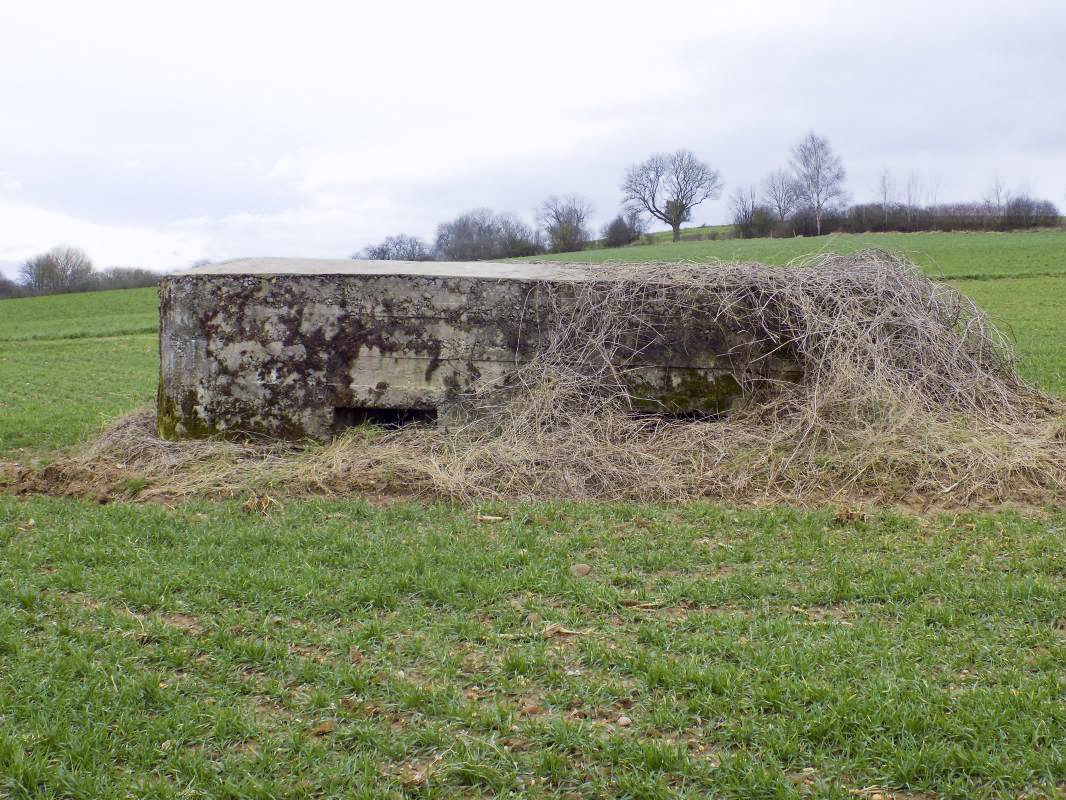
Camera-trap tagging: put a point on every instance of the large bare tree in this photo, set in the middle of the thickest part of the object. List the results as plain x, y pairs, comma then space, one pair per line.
820, 174
669, 185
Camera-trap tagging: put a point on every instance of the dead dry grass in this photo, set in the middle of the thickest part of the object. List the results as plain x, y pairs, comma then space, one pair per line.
908, 395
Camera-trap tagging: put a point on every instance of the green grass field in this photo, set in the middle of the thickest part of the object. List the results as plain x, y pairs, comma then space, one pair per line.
121, 312
951, 255
71, 363
330, 648
336, 650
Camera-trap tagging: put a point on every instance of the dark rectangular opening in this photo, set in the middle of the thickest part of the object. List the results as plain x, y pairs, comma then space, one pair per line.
383, 417
682, 416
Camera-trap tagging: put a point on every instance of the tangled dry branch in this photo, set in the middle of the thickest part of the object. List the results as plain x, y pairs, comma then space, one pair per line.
906, 393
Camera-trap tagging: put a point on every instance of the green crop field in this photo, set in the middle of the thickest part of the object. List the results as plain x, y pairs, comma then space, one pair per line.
258, 648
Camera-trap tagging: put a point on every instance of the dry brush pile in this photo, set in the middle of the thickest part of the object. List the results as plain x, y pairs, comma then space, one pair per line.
908, 394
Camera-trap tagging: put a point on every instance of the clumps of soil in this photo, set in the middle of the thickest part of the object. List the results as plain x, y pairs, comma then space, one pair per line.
908, 394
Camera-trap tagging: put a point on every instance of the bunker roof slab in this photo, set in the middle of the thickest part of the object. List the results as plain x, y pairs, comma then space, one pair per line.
489, 270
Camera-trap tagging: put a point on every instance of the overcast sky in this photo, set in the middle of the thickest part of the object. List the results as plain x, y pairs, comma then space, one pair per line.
158, 133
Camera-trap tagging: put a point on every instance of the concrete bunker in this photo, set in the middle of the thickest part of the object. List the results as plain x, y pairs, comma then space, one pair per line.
302, 348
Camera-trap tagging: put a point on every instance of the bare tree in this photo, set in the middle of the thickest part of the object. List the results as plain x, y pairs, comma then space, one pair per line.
932, 189
397, 248
669, 185
61, 269
635, 221
886, 192
469, 237
996, 195
514, 237
749, 217
564, 221
742, 204
781, 193
914, 192
820, 174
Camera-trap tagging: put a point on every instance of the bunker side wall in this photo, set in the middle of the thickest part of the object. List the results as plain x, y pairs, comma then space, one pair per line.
275, 355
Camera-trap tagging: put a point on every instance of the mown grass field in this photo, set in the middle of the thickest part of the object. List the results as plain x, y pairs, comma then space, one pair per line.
333, 648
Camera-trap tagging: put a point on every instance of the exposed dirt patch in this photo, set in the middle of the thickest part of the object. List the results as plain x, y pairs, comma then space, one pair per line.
184, 623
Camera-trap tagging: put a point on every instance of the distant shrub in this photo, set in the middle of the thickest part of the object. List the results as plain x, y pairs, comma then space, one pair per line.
480, 234
621, 231
564, 222
8, 288
397, 248
126, 278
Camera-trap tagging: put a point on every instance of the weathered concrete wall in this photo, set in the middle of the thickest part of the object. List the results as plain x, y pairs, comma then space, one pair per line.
273, 346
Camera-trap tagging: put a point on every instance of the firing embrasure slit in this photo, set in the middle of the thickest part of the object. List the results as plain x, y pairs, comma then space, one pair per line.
385, 417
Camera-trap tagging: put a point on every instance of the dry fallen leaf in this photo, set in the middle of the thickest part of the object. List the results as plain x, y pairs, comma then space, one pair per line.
630, 602
260, 504
713, 543
844, 515
529, 705
872, 793
555, 629
415, 775
323, 729
354, 655
489, 518
624, 721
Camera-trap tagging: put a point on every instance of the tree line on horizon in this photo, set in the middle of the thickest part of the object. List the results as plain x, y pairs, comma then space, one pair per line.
809, 197
69, 269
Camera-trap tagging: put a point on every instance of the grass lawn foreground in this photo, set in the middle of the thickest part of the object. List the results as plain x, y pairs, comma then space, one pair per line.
260, 647
334, 649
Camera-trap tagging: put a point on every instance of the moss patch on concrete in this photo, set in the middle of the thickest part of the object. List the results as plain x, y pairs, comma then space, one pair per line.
687, 391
